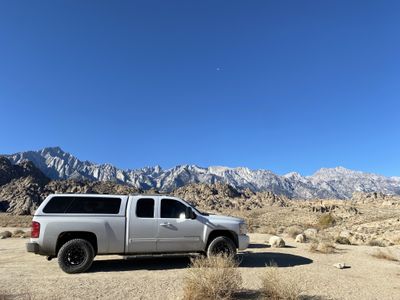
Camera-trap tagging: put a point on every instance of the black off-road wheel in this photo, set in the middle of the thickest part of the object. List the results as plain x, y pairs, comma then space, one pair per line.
221, 246
76, 256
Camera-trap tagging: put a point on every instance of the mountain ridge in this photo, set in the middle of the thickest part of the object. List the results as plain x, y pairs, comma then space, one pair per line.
337, 182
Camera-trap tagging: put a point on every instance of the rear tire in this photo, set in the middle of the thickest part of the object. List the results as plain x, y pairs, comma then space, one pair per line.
221, 245
76, 256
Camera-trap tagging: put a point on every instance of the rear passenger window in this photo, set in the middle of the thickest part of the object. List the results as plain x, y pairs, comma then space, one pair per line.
94, 205
145, 208
57, 205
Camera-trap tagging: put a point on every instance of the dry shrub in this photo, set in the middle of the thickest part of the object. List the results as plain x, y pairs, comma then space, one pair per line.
275, 287
5, 296
342, 240
251, 224
322, 247
326, 221
388, 255
6, 234
215, 277
293, 231
18, 233
268, 230
376, 243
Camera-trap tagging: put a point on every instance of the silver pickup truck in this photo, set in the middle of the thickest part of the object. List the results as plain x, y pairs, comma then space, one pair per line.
77, 227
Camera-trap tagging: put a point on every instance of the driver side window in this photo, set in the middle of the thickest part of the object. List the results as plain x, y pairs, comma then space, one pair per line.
172, 209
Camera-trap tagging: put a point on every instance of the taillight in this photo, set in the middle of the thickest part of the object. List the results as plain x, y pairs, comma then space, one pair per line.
35, 231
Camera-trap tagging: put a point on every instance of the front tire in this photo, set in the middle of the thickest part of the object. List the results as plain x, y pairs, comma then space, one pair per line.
76, 256
221, 245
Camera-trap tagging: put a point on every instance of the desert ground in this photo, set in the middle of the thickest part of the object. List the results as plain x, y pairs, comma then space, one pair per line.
29, 276
363, 233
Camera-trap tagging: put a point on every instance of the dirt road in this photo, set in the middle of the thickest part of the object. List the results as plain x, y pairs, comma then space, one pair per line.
111, 277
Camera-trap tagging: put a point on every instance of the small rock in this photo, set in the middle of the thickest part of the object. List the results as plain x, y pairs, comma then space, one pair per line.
276, 242
300, 238
340, 265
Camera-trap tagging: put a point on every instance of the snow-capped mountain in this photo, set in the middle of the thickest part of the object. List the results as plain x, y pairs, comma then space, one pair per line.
325, 183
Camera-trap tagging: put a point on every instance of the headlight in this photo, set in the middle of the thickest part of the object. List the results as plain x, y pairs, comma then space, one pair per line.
242, 228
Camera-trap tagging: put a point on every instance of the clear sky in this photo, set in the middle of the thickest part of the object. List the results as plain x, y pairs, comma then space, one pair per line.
278, 85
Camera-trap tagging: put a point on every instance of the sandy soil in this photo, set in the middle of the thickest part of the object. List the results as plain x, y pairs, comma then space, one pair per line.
28, 275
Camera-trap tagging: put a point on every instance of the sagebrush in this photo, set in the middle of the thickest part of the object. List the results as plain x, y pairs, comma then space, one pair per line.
215, 277
275, 287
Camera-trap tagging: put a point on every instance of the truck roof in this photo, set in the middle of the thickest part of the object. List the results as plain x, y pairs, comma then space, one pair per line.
109, 195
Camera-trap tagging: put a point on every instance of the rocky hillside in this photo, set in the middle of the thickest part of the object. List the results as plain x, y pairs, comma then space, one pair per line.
339, 183
219, 196
23, 187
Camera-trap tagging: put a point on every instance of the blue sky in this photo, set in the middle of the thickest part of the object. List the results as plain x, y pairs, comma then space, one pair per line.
279, 85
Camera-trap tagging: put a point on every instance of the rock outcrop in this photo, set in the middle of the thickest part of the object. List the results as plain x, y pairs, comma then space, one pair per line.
219, 196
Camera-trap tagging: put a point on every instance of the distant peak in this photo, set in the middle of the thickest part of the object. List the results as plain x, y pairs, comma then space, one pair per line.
338, 169
292, 175
55, 149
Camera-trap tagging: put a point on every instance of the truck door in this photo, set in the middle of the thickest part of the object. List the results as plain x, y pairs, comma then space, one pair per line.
175, 232
142, 225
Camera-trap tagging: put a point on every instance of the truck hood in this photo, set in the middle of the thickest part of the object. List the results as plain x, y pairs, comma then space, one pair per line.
220, 218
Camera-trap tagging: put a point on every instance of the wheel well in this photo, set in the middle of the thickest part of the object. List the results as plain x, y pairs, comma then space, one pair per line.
70, 235
226, 233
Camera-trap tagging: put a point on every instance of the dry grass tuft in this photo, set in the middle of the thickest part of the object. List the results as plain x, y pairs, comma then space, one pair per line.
274, 287
293, 231
387, 255
18, 233
322, 247
215, 277
326, 221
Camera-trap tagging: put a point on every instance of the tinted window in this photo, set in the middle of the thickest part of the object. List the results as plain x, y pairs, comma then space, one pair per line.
172, 209
94, 205
57, 205
145, 208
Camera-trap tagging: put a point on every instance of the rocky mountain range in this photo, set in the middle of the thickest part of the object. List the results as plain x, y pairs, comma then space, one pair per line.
339, 183
23, 187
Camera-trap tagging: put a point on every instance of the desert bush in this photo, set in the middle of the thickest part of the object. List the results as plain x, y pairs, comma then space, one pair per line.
326, 221
215, 277
6, 234
4, 296
378, 243
322, 247
274, 287
293, 231
267, 230
18, 233
342, 240
388, 255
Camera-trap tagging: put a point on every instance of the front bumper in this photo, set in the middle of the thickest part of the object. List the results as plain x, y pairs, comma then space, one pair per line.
244, 241
32, 247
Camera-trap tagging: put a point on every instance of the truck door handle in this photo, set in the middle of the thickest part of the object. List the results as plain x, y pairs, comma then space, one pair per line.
165, 224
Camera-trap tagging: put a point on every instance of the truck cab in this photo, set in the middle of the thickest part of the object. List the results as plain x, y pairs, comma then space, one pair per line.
77, 227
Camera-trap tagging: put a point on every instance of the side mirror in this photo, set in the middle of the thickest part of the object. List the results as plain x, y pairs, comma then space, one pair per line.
189, 214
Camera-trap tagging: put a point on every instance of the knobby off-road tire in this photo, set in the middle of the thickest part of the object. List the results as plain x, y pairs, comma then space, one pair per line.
76, 256
221, 245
